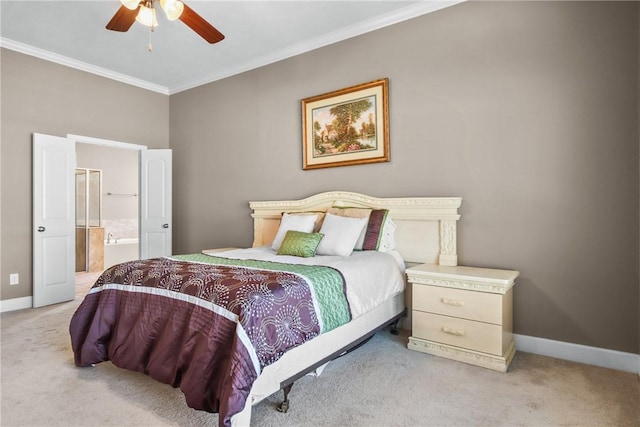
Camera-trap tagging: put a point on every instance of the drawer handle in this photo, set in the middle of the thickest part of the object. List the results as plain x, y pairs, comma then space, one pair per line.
451, 331
450, 301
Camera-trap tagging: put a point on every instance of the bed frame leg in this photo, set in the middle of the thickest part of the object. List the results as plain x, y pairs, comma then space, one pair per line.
393, 328
284, 406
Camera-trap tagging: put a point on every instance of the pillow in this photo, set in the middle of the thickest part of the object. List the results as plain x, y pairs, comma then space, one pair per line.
319, 218
304, 223
353, 213
300, 244
379, 235
340, 234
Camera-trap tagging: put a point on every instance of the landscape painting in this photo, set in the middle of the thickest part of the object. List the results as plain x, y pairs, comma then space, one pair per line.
346, 127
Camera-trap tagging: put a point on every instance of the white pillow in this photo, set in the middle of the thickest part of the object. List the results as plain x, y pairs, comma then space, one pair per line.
353, 213
340, 234
304, 223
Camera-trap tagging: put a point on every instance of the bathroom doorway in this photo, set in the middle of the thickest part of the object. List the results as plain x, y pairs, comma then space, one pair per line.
114, 229
54, 164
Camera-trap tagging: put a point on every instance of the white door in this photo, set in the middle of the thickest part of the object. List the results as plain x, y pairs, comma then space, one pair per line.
54, 163
155, 203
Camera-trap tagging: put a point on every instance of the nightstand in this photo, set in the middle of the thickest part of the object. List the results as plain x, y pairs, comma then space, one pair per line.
463, 313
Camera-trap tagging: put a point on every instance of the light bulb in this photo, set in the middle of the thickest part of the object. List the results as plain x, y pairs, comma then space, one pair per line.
172, 8
130, 4
147, 16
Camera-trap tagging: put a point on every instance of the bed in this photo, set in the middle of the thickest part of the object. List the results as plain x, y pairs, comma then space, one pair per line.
344, 291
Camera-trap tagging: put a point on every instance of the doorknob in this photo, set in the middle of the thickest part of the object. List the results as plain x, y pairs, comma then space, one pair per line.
41, 229
165, 225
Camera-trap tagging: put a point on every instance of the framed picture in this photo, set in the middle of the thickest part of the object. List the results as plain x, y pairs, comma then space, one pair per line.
346, 127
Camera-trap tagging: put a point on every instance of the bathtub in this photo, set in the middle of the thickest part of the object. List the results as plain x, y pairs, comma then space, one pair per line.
124, 250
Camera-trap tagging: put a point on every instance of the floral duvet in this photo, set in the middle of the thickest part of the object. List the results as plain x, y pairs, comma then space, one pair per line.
205, 324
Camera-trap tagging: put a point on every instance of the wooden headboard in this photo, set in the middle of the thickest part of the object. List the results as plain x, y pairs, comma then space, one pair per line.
426, 226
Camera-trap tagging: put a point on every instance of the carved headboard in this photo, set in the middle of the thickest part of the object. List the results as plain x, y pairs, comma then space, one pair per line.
426, 226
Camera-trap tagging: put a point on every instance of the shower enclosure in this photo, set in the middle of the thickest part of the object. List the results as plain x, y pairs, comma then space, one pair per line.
89, 230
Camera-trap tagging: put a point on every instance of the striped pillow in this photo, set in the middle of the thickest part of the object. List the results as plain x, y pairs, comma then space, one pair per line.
375, 230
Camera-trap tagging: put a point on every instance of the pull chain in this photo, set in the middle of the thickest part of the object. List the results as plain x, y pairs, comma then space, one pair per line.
150, 47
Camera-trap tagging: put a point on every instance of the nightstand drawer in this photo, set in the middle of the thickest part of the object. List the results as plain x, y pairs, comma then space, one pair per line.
461, 303
467, 334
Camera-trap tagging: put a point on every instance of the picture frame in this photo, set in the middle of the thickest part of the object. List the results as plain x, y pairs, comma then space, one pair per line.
346, 127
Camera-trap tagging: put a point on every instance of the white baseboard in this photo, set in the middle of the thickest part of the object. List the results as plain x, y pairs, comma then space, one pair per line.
613, 359
16, 304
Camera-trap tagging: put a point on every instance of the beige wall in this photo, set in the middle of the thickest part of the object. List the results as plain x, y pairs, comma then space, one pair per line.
39, 96
529, 111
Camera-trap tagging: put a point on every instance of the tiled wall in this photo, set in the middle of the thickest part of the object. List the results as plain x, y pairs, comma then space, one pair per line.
124, 228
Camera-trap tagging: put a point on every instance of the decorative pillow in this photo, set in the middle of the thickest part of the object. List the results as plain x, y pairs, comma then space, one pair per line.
379, 235
304, 223
340, 234
300, 244
353, 213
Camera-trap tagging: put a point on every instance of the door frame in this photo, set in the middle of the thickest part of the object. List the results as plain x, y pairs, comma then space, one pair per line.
105, 142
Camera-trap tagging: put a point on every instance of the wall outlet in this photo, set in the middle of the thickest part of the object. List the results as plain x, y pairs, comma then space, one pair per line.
14, 279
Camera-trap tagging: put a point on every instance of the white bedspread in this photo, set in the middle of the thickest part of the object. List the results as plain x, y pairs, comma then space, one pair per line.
371, 276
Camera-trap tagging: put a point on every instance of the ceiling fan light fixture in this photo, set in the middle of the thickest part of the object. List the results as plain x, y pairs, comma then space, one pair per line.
130, 4
172, 8
147, 15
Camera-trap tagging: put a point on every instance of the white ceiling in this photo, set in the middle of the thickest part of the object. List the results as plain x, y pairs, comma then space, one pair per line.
257, 33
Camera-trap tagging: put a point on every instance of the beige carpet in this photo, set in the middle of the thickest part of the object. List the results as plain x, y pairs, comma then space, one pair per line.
380, 384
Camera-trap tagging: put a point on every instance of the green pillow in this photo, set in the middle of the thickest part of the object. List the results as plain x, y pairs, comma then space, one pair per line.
298, 243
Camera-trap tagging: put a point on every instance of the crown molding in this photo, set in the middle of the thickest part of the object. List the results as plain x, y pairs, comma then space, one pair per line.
79, 65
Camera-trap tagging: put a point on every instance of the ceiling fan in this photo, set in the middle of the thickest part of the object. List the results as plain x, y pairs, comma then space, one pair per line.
144, 12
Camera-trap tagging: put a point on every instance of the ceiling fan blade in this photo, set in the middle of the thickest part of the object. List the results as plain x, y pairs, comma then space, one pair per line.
200, 26
123, 19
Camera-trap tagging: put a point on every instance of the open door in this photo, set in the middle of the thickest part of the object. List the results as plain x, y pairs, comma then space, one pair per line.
155, 203
54, 163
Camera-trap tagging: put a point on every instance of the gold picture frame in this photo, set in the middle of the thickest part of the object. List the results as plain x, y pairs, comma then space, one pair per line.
346, 127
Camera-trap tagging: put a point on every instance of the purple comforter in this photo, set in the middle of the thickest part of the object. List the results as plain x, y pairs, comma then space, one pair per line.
208, 329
